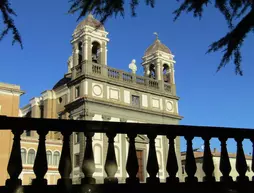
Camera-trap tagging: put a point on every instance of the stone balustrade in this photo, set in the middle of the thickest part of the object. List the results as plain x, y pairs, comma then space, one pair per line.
152, 184
130, 79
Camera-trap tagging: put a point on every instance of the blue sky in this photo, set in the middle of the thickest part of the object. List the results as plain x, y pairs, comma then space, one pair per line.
206, 97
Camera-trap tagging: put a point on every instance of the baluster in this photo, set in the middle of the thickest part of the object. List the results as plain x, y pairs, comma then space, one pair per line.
65, 166
172, 165
88, 166
41, 165
111, 164
14, 167
252, 164
208, 166
190, 163
152, 162
132, 160
241, 165
225, 166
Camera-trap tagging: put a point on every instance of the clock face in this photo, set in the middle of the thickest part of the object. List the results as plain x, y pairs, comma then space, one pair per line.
169, 106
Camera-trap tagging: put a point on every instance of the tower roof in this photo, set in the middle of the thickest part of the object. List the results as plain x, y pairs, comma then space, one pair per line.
157, 46
90, 21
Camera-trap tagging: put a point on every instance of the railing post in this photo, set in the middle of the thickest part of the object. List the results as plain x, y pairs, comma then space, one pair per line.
65, 166
14, 167
132, 160
225, 166
252, 164
88, 166
208, 166
190, 164
161, 85
134, 78
121, 75
40, 163
111, 164
172, 165
152, 162
104, 70
241, 165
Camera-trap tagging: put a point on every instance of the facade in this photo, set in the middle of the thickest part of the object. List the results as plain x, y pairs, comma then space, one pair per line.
216, 161
9, 106
91, 90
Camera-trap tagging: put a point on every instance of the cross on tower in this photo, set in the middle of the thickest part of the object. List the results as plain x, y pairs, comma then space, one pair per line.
156, 34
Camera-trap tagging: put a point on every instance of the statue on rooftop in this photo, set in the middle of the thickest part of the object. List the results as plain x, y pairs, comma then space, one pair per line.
133, 66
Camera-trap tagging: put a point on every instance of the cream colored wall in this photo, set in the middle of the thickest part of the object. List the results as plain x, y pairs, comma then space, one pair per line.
9, 103
27, 173
122, 96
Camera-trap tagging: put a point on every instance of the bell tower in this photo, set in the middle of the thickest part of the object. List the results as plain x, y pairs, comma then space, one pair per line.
89, 45
158, 63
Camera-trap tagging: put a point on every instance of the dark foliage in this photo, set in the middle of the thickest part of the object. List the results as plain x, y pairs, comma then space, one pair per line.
7, 12
232, 10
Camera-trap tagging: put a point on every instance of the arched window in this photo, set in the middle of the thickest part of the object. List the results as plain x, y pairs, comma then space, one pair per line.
166, 74
49, 157
80, 54
152, 71
31, 156
56, 158
96, 52
23, 156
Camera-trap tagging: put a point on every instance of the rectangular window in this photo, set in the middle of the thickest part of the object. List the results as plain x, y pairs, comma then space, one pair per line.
77, 92
135, 101
76, 160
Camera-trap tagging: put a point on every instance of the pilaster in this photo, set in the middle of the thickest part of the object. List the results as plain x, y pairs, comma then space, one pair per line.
103, 54
89, 51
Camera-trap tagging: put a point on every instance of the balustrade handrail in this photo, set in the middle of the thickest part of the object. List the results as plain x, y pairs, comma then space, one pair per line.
19, 123
66, 127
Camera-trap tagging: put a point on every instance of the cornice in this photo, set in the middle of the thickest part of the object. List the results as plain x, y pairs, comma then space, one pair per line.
34, 101
127, 107
122, 84
48, 94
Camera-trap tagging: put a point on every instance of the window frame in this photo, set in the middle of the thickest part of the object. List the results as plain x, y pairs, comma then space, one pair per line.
51, 159
56, 162
139, 101
77, 91
24, 160
32, 158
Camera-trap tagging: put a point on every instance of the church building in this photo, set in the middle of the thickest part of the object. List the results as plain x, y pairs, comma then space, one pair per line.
92, 90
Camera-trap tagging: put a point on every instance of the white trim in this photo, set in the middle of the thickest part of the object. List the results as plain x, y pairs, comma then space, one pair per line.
48, 94
7, 92
26, 109
34, 101
37, 141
